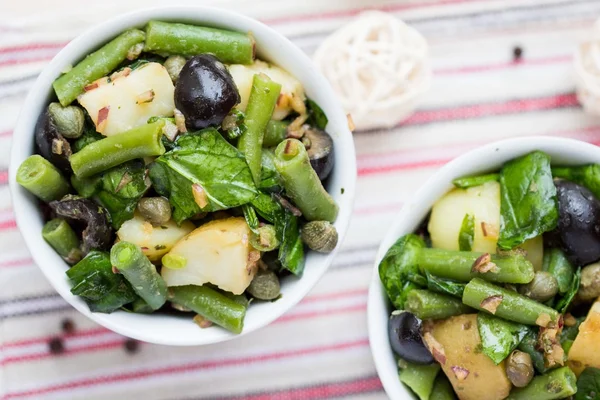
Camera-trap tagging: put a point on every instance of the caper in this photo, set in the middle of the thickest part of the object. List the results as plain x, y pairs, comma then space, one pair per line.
589, 289
156, 210
174, 65
320, 236
265, 238
265, 285
68, 120
519, 368
543, 287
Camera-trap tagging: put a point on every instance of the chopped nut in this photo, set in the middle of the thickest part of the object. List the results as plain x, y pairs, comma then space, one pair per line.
489, 230
134, 51
57, 146
436, 348
466, 326
170, 130
179, 121
91, 86
115, 270
202, 322
491, 303
484, 264
252, 265
145, 97
569, 320
287, 205
460, 373
102, 118
200, 196
543, 320
123, 182
120, 74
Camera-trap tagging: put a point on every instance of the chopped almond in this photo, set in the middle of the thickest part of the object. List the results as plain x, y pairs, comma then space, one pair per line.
569, 320
102, 118
120, 74
180, 121
200, 196
202, 322
145, 97
543, 320
351, 125
489, 230
436, 349
491, 303
484, 264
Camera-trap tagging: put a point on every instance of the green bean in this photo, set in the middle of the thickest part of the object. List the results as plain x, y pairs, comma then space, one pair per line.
188, 40
140, 142
556, 263
442, 389
210, 304
96, 65
420, 378
458, 266
41, 178
59, 234
275, 133
470, 181
261, 103
129, 260
301, 182
505, 303
557, 384
430, 305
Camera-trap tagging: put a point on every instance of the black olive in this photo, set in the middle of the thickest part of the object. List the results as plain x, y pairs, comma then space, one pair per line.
578, 223
51, 144
319, 146
97, 233
205, 92
405, 338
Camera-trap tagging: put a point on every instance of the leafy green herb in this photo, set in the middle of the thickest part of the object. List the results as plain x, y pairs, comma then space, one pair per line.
585, 175
207, 159
528, 205
498, 336
467, 233
571, 332
445, 286
233, 125
291, 250
122, 188
251, 218
588, 384
471, 181
86, 187
529, 345
89, 136
94, 280
269, 177
565, 301
556, 263
316, 115
393, 270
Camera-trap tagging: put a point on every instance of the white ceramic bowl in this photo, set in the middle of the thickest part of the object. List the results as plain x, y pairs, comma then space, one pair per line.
272, 47
483, 159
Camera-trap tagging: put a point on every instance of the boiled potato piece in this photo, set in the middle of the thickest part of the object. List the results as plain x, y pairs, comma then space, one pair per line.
129, 100
218, 252
473, 375
155, 241
585, 351
290, 86
483, 203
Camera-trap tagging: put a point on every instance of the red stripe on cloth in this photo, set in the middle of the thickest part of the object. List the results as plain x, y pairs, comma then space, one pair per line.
3, 177
16, 263
6, 133
32, 46
17, 61
333, 296
8, 225
183, 368
77, 334
314, 314
355, 11
468, 69
319, 391
495, 108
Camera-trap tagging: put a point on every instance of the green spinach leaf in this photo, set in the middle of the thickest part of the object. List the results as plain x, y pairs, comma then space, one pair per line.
445, 286
467, 233
498, 336
122, 188
556, 263
316, 115
269, 177
588, 384
528, 205
94, 280
529, 345
207, 159
585, 175
565, 301
471, 181
89, 136
251, 217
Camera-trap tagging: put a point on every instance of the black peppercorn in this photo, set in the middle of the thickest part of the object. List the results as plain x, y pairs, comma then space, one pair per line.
517, 53
56, 346
68, 326
131, 346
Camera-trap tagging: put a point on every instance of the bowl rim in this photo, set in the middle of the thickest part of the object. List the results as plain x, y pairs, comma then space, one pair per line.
273, 42
441, 181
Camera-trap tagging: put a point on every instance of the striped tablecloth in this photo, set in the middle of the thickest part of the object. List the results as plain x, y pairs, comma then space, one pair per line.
320, 348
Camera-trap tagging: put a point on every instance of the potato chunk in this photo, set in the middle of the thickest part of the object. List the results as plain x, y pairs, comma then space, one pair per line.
585, 351
290, 86
483, 203
218, 252
130, 99
473, 375
155, 241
